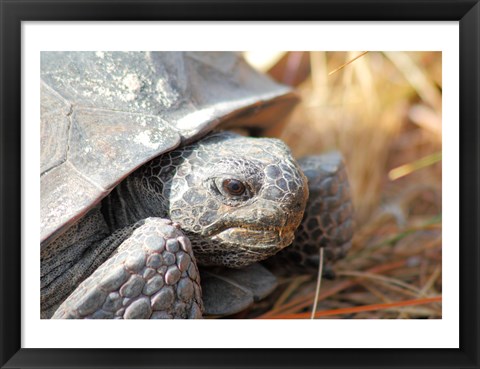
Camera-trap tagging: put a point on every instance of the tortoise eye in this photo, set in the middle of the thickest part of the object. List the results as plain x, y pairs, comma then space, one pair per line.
233, 187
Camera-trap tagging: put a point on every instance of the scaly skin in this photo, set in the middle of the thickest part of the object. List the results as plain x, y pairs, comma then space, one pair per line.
187, 186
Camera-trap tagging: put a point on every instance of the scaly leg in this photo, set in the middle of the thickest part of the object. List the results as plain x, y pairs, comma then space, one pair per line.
328, 221
151, 275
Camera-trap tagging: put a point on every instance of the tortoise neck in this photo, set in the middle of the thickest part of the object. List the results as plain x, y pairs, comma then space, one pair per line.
128, 203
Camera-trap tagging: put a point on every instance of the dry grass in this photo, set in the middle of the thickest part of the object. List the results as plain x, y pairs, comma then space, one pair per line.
383, 112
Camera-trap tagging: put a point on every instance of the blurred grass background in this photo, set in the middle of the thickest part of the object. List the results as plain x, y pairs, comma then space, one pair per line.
383, 111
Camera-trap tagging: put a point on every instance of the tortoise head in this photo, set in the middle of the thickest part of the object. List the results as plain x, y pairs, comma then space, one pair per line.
239, 199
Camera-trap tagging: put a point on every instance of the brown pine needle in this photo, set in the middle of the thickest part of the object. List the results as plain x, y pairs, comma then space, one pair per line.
436, 273
382, 278
292, 287
319, 282
359, 309
347, 63
394, 288
375, 292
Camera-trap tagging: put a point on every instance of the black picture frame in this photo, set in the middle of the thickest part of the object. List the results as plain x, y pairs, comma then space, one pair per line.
467, 12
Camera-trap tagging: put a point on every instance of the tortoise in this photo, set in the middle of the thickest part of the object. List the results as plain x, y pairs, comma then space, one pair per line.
145, 192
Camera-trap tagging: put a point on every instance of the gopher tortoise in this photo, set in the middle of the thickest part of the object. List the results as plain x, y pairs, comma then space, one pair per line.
142, 186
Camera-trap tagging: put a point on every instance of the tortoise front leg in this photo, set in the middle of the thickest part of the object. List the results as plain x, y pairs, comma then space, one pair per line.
152, 275
328, 221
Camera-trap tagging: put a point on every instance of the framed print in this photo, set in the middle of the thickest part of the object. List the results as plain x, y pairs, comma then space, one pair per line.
182, 145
